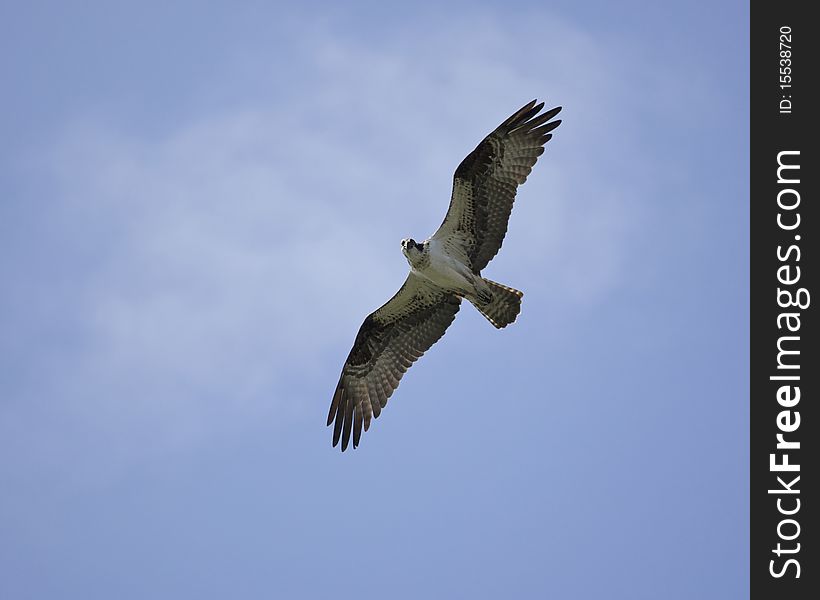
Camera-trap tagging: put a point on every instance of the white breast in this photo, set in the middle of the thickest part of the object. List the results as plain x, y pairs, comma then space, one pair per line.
446, 271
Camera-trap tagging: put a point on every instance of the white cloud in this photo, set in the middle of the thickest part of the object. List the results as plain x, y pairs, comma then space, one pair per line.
251, 242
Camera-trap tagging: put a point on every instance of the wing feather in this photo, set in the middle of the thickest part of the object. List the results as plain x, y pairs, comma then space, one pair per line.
389, 341
486, 181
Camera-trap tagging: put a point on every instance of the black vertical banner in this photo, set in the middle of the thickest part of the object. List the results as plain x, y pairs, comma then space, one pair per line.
784, 371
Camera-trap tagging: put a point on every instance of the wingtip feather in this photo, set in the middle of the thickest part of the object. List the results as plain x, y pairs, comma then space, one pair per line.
337, 426
334, 404
347, 425
357, 425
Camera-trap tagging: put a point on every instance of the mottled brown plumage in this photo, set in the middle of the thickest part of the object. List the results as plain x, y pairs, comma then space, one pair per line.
393, 337
486, 181
389, 341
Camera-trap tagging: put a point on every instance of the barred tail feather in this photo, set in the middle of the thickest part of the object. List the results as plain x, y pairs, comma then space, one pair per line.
504, 306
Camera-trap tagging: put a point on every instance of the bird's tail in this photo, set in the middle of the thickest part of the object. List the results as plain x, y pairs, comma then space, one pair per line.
502, 307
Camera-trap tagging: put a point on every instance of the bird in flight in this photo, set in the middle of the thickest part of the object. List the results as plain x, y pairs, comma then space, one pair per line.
443, 269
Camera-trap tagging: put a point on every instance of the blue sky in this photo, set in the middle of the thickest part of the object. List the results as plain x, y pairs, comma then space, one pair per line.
199, 204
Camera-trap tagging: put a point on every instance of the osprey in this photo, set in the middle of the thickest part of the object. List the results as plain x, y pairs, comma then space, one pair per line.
443, 269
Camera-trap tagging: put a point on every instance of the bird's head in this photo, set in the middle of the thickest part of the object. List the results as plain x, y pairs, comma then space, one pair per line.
411, 249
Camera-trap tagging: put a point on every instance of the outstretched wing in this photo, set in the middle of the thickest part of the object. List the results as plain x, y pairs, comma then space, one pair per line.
485, 183
389, 341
